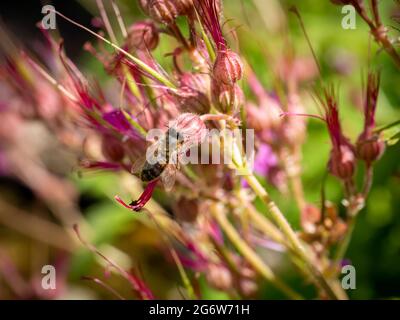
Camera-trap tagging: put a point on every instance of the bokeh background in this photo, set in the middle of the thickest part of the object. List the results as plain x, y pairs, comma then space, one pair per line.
345, 58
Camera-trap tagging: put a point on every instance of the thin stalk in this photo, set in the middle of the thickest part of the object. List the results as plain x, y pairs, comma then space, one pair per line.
106, 21
295, 243
119, 18
183, 274
250, 255
146, 68
344, 244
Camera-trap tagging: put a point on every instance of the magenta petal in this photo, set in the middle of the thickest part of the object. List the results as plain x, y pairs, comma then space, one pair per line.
118, 121
265, 160
143, 199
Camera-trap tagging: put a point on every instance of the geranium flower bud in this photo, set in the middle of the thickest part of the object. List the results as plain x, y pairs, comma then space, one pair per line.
112, 149
228, 67
342, 162
143, 36
227, 99
370, 146
191, 127
369, 149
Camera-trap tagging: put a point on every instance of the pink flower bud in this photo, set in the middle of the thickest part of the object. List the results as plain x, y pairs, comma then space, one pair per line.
228, 67
369, 149
191, 127
143, 36
342, 162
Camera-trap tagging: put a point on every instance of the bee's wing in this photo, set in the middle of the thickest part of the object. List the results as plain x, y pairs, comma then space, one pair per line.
138, 165
168, 177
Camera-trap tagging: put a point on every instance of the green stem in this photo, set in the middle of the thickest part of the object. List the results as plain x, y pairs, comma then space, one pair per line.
296, 245
250, 255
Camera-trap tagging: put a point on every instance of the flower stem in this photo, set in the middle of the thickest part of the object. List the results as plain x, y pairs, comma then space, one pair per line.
250, 255
294, 241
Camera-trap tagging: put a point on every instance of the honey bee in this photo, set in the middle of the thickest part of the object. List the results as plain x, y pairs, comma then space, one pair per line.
164, 160
163, 157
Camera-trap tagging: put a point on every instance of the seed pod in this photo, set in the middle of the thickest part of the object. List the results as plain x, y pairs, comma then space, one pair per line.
227, 99
143, 36
112, 149
369, 149
228, 67
342, 162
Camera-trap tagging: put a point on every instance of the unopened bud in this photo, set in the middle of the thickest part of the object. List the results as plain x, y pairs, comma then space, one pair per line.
369, 149
190, 127
227, 98
143, 36
342, 162
112, 149
228, 67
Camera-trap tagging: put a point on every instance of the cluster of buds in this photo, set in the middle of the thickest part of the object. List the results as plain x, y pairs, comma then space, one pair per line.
227, 68
322, 230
